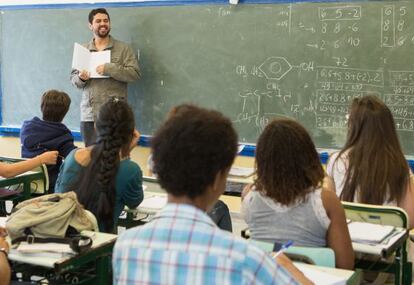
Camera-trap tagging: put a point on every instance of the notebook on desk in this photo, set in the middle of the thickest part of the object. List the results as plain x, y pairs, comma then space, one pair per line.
369, 233
376, 239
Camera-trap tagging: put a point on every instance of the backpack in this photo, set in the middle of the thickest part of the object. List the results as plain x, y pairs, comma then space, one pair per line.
49, 218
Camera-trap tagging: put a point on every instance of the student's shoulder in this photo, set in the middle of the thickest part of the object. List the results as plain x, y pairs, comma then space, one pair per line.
129, 166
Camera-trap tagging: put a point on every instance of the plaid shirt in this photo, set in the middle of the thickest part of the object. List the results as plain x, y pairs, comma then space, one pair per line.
182, 245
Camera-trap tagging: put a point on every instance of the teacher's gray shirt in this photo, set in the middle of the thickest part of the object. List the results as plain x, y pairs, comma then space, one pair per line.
122, 69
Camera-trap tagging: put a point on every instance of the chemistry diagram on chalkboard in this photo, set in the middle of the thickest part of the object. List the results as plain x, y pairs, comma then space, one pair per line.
327, 94
318, 85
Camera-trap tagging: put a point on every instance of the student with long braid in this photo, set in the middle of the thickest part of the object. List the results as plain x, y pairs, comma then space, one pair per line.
103, 176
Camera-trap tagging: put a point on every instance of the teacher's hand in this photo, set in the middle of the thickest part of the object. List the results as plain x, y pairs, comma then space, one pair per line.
84, 75
100, 69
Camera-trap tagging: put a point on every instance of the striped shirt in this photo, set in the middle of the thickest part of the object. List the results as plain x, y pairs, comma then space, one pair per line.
182, 245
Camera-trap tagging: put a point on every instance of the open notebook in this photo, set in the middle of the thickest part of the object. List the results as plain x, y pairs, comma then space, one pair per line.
375, 239
369, 233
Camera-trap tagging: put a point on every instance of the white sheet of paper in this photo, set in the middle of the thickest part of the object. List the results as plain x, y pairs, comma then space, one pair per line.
367, 232
319, 277
42, 247
83, 59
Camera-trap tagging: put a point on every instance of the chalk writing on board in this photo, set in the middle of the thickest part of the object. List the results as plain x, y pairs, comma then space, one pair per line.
253, 62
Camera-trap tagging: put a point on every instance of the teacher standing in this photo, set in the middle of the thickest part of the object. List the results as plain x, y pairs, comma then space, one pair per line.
122, 69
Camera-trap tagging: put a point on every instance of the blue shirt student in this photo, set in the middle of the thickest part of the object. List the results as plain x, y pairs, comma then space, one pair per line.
182, 245
38, 136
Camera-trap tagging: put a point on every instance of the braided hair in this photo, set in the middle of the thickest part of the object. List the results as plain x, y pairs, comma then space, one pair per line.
96, 185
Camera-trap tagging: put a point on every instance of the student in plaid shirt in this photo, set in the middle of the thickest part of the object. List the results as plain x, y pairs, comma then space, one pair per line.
193, 152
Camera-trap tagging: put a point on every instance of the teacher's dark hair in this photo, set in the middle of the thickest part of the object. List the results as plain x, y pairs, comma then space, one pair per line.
95, 188
97, 11
191, 148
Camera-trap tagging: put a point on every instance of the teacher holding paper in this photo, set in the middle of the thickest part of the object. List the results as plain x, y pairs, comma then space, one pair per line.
122, 69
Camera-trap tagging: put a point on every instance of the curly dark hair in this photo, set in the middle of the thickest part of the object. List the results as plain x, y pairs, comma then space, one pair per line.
191, 148
288, 166
95, 188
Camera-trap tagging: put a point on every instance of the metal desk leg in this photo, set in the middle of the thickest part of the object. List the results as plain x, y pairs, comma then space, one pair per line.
103, 270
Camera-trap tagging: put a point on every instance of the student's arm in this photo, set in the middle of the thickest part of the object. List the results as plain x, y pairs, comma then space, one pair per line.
407, 201
134, 194
329, 184
66, 148
4, 264
338, 235
13, 169
284, 261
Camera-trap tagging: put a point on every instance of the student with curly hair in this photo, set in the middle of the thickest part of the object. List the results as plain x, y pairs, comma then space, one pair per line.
287, 201
193, 152
371, 167
103, 176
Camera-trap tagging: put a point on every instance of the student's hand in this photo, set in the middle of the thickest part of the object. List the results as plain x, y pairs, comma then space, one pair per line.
284, 261
246, 190
100, 69
3, 232
135, 139
4, 244
84, 75
49, 157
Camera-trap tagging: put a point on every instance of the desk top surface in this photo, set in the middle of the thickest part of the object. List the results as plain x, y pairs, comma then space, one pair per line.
49, 260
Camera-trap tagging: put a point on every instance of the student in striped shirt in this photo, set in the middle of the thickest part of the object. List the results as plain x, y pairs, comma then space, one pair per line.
193, 152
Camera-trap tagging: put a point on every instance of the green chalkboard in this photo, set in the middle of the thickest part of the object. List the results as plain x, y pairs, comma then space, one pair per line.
253, 62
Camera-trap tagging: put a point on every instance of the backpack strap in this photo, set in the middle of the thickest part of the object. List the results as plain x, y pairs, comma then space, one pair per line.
78, 244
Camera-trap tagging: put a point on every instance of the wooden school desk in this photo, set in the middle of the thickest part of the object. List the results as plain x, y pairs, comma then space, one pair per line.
67, 269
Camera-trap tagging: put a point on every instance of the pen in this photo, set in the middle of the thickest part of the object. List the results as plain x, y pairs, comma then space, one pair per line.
282, 248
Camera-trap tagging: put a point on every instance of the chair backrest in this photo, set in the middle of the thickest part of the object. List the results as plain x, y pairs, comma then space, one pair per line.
384, 215
321, 256
41, 186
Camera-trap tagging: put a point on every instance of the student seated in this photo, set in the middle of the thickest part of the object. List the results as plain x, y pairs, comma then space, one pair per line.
220, 212
40, 135
103, 176
371, 167
287, 201
193, 152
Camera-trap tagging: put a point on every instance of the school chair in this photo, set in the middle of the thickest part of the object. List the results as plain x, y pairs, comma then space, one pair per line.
22, 187
39, 186
384, 215
321, 256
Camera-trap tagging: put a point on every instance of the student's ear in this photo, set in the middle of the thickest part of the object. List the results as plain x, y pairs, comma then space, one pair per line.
90, 26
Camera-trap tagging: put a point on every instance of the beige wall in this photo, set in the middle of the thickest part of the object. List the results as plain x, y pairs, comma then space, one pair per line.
10, 147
